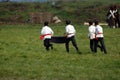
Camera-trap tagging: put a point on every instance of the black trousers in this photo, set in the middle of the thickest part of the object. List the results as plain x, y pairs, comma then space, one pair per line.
47, 44
101, 40
72, 39
92, 44
117, 21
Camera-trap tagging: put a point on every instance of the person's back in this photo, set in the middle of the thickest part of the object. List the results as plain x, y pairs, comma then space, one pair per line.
99, 31
70, 33
91, 30
91, 35
46, 31
70, 30
46, 34
99, 37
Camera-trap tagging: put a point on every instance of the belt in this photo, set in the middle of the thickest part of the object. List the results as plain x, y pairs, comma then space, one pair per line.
100, 33
42, 36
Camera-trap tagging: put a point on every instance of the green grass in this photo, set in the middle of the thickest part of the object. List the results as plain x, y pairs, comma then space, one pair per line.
78, 12
23, 56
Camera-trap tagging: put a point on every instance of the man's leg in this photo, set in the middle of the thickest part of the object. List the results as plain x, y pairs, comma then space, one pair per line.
103, 45
75, 44
100, 47
67, 44
49, 44
46, 44
95, 47
91, 45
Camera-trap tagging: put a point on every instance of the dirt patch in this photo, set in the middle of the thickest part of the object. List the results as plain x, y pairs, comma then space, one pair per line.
40, 17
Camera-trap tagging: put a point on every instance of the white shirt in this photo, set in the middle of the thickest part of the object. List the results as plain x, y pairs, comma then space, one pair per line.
112, 14
99, 31
70, 30
47, 32
91, 33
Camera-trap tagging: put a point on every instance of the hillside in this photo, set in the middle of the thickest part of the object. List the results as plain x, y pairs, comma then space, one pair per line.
77, 11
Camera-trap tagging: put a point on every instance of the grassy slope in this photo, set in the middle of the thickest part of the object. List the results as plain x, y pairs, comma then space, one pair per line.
76, 11
23, 57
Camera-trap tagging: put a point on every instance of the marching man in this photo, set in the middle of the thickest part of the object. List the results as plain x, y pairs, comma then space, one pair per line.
46, 34
91, 35
70, 34
99, 37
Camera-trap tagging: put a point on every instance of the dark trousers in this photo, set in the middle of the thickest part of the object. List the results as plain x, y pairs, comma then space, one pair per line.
72, 39
101, 40
111, 22
47, 44
117, 22
92, 44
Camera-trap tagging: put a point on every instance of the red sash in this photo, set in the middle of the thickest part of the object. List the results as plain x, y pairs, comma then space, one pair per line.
96, 37
100, 33
42, 36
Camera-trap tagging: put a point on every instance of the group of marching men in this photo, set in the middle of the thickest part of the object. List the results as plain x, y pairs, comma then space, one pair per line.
95, 36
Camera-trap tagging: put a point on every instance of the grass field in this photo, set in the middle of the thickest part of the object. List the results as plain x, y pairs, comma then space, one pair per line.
23, 57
